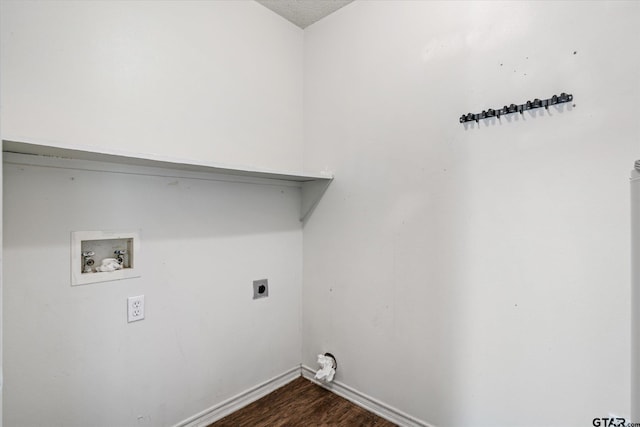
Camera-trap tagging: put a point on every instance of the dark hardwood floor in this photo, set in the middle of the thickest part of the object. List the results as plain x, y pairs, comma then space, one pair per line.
302, 403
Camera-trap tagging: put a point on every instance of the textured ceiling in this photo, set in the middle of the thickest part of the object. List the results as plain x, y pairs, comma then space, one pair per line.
304, 12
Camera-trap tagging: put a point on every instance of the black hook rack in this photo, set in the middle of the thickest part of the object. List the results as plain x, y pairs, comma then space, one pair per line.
513, 108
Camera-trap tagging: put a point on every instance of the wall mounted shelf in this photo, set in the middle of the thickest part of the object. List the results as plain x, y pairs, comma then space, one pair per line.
35, 153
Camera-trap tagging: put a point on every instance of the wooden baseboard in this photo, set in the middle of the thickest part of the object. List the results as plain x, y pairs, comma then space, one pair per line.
241, 400
369, 403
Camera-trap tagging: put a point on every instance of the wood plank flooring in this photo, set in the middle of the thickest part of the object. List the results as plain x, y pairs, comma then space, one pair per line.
302, 403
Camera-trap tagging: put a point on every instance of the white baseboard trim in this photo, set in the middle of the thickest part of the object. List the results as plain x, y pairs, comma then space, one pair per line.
241, 400
221, 410
369, 403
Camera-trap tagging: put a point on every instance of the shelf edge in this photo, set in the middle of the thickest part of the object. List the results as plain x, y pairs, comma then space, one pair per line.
17, 145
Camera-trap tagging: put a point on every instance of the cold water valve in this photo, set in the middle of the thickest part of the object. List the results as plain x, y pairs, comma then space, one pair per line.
121, 257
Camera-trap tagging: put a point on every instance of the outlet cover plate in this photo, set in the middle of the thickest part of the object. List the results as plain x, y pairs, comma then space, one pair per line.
260, 288
135, 308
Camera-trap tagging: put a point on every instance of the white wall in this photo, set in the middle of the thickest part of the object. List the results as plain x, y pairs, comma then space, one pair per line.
70, 356
474, 275
1, 293
470, 275
217, 80
635, 296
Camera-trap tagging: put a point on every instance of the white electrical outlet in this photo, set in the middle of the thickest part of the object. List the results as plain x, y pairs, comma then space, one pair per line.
135, 308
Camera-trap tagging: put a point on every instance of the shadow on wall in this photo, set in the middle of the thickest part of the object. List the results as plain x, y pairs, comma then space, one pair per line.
58, 201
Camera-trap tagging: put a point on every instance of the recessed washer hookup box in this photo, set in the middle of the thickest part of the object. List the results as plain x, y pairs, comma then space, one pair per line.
102, 256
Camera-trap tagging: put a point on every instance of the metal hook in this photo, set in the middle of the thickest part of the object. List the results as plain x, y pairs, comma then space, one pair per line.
512, 108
